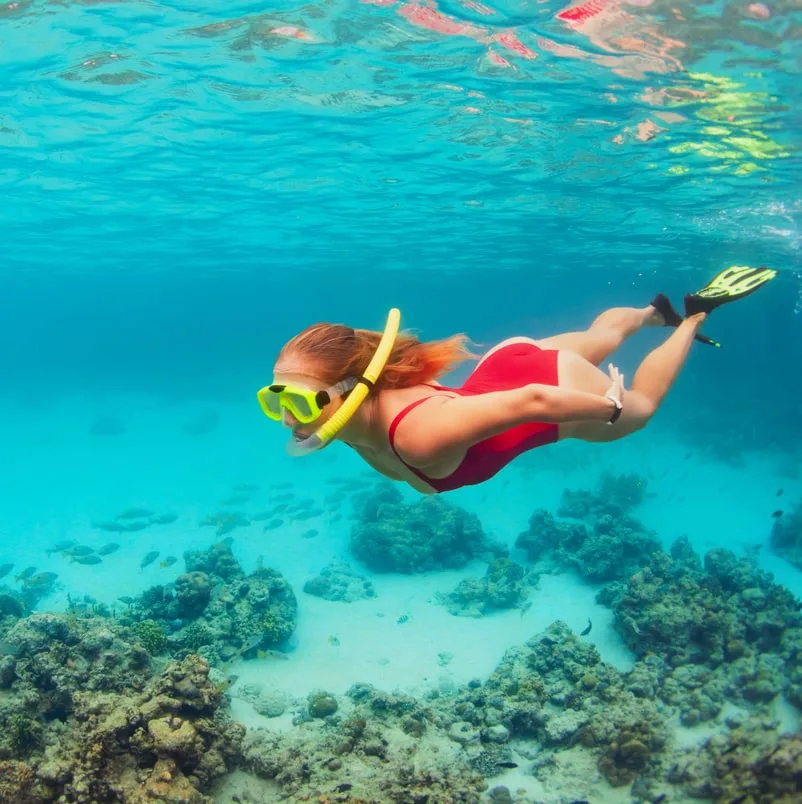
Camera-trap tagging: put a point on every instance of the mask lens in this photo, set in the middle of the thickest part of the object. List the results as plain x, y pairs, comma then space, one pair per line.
301, 407
272, 402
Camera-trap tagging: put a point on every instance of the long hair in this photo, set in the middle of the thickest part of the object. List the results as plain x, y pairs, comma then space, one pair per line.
338, 351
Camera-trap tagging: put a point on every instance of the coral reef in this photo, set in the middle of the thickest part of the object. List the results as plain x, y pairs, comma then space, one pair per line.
84, 717
612, 547
219, 616
504, 586
432, 533
376, 747
338, 581
719, 614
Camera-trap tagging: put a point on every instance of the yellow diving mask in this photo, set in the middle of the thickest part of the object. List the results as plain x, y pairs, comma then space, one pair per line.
306, 404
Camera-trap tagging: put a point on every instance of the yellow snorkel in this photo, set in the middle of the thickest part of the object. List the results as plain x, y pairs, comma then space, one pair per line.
323, 436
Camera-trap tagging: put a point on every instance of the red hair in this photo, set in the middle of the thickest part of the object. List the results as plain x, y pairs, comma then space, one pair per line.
339, 351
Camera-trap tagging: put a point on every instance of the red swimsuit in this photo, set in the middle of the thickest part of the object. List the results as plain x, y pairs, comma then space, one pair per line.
510, 367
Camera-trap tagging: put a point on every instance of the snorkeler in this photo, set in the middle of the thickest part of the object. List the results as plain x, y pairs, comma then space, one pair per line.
523, 394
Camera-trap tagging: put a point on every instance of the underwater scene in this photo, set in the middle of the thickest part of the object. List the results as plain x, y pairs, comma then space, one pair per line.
284, 514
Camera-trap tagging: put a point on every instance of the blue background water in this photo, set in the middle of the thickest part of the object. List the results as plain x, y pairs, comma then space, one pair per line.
182, 190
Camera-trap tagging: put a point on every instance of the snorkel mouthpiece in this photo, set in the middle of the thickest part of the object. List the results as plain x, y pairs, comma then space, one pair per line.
323, 436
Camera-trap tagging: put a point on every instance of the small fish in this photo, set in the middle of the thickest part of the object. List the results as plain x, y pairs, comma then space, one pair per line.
163, 519
507, 764
168, 562
225, 685
335, 518
87, 559
280, 485
587, 629
60, 547
660, 799
310, 534
79, 550
149, 559
7, 649
548, 641
779, 492
108, 549
261, 516
237, 499
343, 788
134, 526
273, 524
135, 513
129, 601
579, 801
42, 579
90, 600
25, 574
113, 527
402, 619
334, 641
272, 654
777, 514
526, 606
283, 498
5, 569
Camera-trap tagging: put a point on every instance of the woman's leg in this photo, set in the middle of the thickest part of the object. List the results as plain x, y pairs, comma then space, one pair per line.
601, 339
654, 377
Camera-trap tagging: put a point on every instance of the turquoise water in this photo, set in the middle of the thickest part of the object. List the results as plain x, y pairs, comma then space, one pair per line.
184, 189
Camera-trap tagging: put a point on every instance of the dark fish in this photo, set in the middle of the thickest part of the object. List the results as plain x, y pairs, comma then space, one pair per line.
108, 549
90, 600
336, 518
7, 649
113, 527
777, 514
548, 641
310, 534
507, 764
59, 547
168, 562
739, 800
779, 492
79, 550
135, 513
237, 499
586, 631
579, 801
280, 485
660, 799
249, 487
163, 519
283, 498
42, 579
129, 601
136, 526
5, 569
88, 560
149, 559
273, 524
402, 619
25, 574
343, 788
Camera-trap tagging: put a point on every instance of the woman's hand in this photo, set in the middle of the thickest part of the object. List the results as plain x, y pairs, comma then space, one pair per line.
616, 390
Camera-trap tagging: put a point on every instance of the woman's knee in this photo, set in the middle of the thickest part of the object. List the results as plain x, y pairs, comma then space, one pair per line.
638, 409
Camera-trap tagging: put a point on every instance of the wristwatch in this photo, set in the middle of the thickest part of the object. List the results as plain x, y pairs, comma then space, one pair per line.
618, 408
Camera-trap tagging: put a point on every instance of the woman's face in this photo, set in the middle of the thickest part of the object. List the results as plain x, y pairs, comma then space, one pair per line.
296, 371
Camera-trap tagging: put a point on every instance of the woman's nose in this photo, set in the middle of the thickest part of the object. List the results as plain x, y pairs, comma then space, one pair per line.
288, 420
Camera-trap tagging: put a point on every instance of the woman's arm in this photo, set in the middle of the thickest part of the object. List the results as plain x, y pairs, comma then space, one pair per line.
432, 431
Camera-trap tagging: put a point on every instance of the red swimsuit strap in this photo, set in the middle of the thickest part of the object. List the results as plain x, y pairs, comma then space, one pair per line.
394, 426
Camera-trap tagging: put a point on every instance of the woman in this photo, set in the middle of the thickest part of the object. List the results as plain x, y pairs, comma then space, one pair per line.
523, 394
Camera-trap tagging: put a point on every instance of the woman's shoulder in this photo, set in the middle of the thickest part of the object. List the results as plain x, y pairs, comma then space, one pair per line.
394, 401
